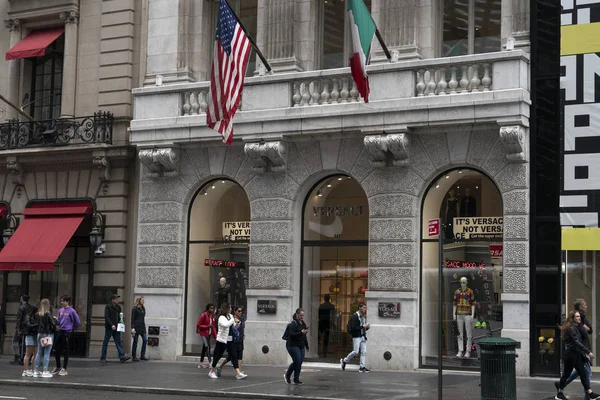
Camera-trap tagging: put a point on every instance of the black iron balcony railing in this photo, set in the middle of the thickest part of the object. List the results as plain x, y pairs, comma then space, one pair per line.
57, 132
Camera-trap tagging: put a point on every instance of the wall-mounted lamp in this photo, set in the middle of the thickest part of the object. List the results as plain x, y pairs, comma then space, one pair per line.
97, 232
12, 224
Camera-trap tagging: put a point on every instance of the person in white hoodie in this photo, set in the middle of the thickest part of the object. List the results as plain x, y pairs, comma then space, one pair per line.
225, 342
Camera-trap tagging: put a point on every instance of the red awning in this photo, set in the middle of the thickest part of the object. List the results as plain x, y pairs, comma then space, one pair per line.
34, 44
42, 236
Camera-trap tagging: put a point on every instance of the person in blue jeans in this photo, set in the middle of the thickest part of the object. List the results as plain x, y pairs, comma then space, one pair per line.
138, 328
45, 338
296, 345
112, 314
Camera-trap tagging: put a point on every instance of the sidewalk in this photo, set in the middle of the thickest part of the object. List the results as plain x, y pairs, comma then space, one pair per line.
322, 381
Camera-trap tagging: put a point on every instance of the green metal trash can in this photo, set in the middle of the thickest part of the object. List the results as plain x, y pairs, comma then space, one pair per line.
498, 368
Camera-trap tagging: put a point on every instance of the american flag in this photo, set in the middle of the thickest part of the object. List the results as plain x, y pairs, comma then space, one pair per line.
230, 59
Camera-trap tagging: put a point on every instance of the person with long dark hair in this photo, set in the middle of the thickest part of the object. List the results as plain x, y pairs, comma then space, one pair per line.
138, 328
45, 338
296, 345
225, 342
30, 330
574, 356
207, 329
238, 339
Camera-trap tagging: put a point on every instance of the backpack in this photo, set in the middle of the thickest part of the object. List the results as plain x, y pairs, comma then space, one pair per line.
30, 325
286, 332
235, 333
349, 325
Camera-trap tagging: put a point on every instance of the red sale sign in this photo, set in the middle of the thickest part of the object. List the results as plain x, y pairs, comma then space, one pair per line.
496, 250
434, 227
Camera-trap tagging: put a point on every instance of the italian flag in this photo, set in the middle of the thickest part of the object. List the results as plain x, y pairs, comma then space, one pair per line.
362, 28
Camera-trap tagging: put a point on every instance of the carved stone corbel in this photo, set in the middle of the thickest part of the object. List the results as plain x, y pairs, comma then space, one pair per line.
160, 162
103, 165
70, 17
16, 172
267, 155
12, 24
514, 140
388, 149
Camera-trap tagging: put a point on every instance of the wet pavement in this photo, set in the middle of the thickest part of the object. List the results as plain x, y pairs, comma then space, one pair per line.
321, 381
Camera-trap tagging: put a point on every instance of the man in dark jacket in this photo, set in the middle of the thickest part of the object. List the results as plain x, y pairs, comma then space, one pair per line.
19, 337
112, 317
2, 330
358, 327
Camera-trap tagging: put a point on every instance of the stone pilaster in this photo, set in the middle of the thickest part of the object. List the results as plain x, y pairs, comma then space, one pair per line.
515, 23
14, 68
305, 33
399, 25
67, 106
277, 34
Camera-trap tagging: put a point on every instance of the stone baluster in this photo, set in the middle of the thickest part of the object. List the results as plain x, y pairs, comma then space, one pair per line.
186, 104
325, 96
315, 93
202, 101
306, 93
335, 90
297, 97
464, 78
453, 84
487, 80
421, 82
345, 92
442, 84
475, 81
431, 85
194, 103
354, 95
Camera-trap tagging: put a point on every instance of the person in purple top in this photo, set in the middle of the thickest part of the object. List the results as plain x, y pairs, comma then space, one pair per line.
68, 321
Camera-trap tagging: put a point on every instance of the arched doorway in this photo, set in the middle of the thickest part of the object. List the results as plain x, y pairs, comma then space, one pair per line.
218, 239
335, 262
470, 206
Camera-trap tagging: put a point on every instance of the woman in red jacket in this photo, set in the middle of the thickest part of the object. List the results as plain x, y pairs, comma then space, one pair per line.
206, 328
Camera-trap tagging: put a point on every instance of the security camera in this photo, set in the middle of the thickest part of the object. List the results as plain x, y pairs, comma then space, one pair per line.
100, 250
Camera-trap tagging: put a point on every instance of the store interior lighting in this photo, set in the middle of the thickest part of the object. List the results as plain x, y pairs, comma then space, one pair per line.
320, 193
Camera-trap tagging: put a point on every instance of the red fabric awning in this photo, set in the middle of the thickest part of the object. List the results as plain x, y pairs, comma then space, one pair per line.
42, 236
34, 44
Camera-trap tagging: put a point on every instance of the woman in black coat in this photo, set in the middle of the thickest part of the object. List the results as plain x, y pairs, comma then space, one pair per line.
138, 328
296, 345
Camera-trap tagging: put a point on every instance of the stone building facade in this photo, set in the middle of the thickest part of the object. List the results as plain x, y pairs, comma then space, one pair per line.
443, 107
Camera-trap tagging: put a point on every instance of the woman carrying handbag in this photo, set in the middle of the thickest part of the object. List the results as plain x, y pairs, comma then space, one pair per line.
45, 338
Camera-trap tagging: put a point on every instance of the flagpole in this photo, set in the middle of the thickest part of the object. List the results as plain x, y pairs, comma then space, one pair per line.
251, 40
383, 46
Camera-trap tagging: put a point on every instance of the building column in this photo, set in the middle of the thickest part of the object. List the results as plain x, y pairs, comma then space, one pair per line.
276, 33
515, 23
397, 22
14, 69
67, 105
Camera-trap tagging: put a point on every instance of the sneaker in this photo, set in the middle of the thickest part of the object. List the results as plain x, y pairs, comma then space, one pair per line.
36, 374
241, 376
559, 396
298, 383
212, 375
343, 364
483, 325
286, 379
103, 360
125, 358
24, 374
202, 365
55, 371
143, 358
468, 354
30, 372
459, 354
593, 396
364, 370
135, 359
478, 324
63, 372
47, 374
219, 369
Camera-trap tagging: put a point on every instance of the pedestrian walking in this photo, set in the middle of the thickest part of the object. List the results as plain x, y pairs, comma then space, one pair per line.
574, 356
207, 329
112, 318
68, 321
2, 331
30, 331
296, 345
358, 327
45, 339
238, 339
18, 338
225, 342
138, 328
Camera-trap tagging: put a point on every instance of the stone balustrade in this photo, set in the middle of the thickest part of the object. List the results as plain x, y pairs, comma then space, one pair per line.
454, 78
325, 90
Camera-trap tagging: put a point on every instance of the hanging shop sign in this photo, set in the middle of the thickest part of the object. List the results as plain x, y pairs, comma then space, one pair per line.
223, 263
478, 228
339, 211
389, 310
434, 227
463, 264
266, 306
236, 231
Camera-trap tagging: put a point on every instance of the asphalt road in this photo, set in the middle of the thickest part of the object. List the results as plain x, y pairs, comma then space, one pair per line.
42, 393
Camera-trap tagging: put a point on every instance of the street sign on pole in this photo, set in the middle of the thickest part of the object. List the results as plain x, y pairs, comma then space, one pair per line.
434, 227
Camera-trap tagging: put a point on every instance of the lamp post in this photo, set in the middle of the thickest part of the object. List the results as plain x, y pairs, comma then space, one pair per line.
12, 223
97, 232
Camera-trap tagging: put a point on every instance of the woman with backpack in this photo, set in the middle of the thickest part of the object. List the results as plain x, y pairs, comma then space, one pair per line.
45, 338
296, 343
225, 342
207, 329
30, 330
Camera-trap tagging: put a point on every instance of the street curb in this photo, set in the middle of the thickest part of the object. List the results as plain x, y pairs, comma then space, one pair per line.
152, 390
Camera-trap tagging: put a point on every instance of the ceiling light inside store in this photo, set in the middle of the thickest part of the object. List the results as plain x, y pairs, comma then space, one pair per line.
476, 187
329, 185
458, 187
320, 193
437, 186
213, 187
460, 172
206, 193
447, 176
222, 181
340, 178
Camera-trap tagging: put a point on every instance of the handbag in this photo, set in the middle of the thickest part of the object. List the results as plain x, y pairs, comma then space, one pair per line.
47, 341
120, 327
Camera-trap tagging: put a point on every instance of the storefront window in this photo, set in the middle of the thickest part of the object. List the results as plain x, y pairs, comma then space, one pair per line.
219, 235
335, 262
470, 207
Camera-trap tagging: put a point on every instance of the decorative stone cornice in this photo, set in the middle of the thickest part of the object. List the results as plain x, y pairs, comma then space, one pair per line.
70, 17
514, 140
103, 165
160, 162
388, 149
267, 155
12, 24
16, 172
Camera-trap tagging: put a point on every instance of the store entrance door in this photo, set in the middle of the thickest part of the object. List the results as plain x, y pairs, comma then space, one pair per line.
337, 277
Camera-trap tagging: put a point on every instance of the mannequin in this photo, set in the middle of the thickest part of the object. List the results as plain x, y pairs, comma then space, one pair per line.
222, 293
450, 214
468, 205
463, 312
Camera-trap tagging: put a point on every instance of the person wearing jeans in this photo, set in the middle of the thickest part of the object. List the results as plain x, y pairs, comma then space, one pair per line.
358, 327
68, 321
46, 329
138, 328
112, 313
296, 345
